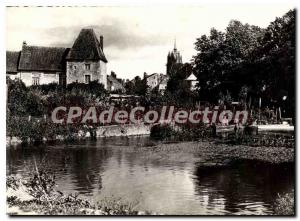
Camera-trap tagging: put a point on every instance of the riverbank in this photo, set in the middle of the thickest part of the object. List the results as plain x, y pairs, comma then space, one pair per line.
209, 153
87, 133
37, 196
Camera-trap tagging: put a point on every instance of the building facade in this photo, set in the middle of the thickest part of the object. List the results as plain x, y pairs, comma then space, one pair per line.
115, 84
153, 80
163, 84
192, 81
83, 62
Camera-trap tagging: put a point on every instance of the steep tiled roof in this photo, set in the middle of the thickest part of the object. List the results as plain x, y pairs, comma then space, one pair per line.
86, 47
36, 58
150, 75
12, 59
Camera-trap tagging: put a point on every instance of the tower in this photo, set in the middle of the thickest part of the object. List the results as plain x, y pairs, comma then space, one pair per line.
174, 57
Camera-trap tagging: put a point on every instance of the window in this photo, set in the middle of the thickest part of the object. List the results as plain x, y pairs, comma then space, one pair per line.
87, 79
35, 80
87, 66
75, 67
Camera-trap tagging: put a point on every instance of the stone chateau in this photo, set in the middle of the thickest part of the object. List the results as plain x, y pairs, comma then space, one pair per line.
85, 61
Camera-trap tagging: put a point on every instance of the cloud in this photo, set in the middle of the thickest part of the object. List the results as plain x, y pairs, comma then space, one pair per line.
117, 34
136, 39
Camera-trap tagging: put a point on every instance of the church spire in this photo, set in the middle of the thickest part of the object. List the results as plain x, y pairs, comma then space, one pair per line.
175, 48
174, 57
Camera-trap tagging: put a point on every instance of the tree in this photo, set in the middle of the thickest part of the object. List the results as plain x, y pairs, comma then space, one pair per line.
220, 62
23, 101
246, 56
208, 64
129, 87
137, 86
178, 89
275, 61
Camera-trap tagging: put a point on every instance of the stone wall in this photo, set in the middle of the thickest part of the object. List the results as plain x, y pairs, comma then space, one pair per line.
102, 131
123, 130
103, 72
76, 71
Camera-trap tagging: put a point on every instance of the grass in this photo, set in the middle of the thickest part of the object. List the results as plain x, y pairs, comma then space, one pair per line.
285, 205
37, 196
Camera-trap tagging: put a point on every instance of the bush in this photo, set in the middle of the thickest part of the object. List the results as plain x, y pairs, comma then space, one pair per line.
39, 99
93, 89
43, 198
24, 129
47, 88
36, 130
180, 132
161, 132
285, 205
23, 101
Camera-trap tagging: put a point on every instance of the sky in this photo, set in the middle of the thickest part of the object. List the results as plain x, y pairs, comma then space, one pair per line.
136, 39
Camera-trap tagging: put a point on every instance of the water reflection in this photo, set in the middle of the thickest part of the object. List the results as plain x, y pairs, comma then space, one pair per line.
244, 186
114, 166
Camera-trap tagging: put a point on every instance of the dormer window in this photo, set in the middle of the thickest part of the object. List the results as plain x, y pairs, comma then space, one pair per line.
87, 66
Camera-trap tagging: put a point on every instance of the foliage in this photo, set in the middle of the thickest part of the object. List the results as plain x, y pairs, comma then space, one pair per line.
180, 132
137, 86
285, 205
275, 62
39, 129
48, 88
39, 100
23, 101
161, 132
221, 56
94, 89
249, 62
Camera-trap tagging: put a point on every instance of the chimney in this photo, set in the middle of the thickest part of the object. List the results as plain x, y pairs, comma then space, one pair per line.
101, 42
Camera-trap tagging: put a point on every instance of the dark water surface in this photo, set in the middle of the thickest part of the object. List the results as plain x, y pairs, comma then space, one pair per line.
104, 168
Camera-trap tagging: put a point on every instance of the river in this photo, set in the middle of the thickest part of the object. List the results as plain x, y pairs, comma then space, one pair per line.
103, 168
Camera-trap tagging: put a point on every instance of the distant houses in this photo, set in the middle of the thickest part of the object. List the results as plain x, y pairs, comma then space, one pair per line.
115, 84
174, 62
